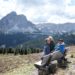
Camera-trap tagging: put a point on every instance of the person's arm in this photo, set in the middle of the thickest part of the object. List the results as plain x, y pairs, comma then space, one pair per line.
56, 47
44, 50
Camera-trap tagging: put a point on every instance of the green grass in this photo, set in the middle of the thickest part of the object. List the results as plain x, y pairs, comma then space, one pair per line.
26, 69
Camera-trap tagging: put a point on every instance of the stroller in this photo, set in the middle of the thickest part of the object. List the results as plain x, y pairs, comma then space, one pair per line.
48, 63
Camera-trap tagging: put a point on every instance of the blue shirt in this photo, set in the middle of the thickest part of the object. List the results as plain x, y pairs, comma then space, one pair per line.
60, 47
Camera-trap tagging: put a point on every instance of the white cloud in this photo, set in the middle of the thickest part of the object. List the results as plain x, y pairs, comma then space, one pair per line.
67, 2
5, 7
60, 19
70, 10
56, 11
8, 6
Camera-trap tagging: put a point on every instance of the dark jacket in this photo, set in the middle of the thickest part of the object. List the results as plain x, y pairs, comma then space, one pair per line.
48, 48
52, 46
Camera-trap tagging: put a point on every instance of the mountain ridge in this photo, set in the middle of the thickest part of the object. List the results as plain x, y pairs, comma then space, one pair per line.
51, 28
16, 23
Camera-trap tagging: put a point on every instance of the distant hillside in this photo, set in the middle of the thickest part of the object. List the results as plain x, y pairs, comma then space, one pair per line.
12, 40
39, 41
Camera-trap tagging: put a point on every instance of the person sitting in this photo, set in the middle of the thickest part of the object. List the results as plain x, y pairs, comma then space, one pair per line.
49, 46
52, 44
61, 47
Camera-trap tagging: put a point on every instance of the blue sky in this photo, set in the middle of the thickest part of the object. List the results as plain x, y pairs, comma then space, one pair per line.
39, 11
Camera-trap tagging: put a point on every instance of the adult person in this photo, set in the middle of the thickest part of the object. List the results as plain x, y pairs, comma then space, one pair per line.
52, 43
49, 46
61, 48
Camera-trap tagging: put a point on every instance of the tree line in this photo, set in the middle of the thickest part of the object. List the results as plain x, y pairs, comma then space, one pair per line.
21, 51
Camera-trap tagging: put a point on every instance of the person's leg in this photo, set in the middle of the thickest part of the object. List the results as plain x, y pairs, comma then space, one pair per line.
46, 60
51, 57
56, 55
